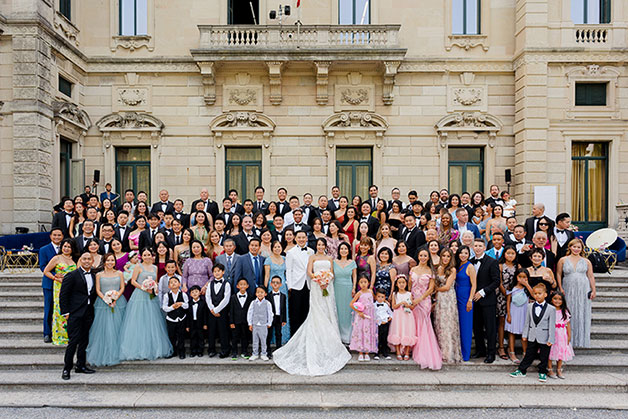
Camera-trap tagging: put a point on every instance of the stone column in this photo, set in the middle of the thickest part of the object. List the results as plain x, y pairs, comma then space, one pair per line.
32, 129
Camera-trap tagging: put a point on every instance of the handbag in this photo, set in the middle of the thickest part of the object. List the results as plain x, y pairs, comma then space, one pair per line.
519, 299
603, 261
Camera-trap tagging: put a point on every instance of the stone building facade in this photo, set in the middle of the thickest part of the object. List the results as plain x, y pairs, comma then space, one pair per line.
416, 94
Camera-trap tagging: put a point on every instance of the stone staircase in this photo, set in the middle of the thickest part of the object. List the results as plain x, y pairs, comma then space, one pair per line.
30, 372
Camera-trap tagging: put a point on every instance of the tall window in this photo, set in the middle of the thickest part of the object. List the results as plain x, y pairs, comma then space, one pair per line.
133, 17
133, 169
65, 164
65, 8
244, 170
589, 185
466, 17
591, 11
354, 12
354, 170
65, 86
243, 12
466, 169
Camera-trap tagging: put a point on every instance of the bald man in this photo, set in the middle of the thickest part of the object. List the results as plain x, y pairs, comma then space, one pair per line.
211, 207
164, 204
532, 223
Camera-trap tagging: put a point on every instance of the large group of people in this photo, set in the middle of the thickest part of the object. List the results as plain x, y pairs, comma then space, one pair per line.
419, 280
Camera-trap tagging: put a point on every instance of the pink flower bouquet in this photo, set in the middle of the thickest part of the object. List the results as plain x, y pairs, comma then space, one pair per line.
149, 284
359, 307
323, 278
109, 297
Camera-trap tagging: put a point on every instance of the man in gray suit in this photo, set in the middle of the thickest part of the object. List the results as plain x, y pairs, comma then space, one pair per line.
231, 261
539, 331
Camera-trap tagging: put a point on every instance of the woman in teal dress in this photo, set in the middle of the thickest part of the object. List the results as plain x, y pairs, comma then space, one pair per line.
104, 335
275, 265
344, 286
143, 334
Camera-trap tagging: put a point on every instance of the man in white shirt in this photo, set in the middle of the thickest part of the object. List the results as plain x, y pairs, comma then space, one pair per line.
296, 279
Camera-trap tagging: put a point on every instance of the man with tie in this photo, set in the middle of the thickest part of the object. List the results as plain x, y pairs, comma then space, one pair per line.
463, 223
498, 246
88, 234
236, 207
176, 237
309, 212
373, 191
122, 230
147, 237
521, 244
323, 204
278, 232
532, 223
282, 205
246, 235
232, 263
76, 303
485, 307
163, 204
46, 253
107, 236
413, 237
211, 207
297, 260
367, 218
298, 224
334, 202
509, 234
562, 234
252, 265
180, 215
61, 220
260, 205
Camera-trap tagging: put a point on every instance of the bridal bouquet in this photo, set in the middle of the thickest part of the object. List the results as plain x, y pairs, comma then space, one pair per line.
359, 307
323, 278
109, 297
150, 284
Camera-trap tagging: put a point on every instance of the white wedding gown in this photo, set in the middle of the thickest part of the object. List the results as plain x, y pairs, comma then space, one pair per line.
316, 348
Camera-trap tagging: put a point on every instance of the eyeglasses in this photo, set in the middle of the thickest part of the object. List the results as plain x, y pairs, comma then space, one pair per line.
543, 224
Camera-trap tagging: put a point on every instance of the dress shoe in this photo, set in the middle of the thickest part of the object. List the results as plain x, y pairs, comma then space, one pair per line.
212, 354
84, 370
47, 339
66, 374
489, 359
223, 355
182, 356
479, 355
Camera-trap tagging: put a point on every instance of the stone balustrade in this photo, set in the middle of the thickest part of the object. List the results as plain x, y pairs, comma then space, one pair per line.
592, 34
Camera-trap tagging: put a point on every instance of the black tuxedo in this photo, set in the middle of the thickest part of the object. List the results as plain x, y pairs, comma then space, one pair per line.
302, 227
373, 224
80, 242
197, 332
59, 221
171, 239
77, 300
157, 206
237, 317
102, 250
484, 310
124, 238
146, 238
226, 217
238, 208
242, 242
184, 218
332, 205
529, 225
319, 211
413, 241
550, 259
278, 319
561, 251
260, 206
211, 207
283, 208
278, 235
373, 202
309, 214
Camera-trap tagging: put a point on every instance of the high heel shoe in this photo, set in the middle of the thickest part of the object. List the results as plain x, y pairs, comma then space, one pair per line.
513, 358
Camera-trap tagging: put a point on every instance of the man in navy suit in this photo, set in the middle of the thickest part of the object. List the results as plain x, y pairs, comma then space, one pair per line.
463, 223
232, 263
46, 253
252, 265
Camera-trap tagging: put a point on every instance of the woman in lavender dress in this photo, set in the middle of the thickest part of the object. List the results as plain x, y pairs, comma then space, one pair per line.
197, 270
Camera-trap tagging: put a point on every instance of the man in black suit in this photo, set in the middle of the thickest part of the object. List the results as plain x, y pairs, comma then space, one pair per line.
522, 245
374, 198
280, 316
182, 216
334, 202
163, 204
309, 212
279, 230
298, 224
88, 234
563, 234
62, 219
367, 218
246, 235
175, 238
108, 234
413, 237
430, 234
87, 193
211, 207
260, 205
532, 223
238, 309
538, 240
76, 302
236, 206
147, 237
323, 204
484, 320
122, 230
226, 213
283, 207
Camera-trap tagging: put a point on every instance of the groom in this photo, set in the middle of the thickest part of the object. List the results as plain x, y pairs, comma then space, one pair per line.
76, 301
296, 280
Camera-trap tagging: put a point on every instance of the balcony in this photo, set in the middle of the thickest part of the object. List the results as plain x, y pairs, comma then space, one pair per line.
303, 42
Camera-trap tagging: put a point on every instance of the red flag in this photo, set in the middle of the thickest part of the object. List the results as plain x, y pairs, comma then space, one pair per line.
298, 3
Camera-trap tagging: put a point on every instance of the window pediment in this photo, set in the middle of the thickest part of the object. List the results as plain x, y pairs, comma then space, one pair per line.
129, 121
355, 121
72, 114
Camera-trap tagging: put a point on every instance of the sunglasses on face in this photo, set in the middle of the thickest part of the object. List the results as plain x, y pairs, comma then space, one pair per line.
543, 224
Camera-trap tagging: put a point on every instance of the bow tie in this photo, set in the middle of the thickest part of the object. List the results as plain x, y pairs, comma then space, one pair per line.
194, 302
218, 281
304, 249
298, 224
242, 295
248, 236
276, 293
379, 304
538, 305
560, 231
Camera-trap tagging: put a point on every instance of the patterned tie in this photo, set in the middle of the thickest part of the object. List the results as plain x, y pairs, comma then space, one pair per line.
257, 269
229, 266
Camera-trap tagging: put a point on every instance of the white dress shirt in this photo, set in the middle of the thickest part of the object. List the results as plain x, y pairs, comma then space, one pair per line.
561, 236
242, 298
249, 314
90, 284
296, 267
168, 308
277, 302
225, 299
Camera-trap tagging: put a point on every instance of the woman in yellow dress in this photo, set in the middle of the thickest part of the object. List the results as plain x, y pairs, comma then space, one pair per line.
56, 269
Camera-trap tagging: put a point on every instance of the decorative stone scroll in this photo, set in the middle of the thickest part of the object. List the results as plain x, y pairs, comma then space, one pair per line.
470, 123
256, 126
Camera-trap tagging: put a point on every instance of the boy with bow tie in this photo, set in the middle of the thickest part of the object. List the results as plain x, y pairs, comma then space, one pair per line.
383, 316
175, 305
278, 303
218, 294
196, 321
238, 310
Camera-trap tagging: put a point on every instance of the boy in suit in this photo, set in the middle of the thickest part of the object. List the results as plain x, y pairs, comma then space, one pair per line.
259, 318
238, 310
278, 303
217, 297
383, 316
175, 305
196, 321
539, 331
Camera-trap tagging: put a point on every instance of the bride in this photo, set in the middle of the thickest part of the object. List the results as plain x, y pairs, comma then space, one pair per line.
316, 348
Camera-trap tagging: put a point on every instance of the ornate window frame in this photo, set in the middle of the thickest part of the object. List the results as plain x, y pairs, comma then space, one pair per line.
133, 42
243, 129
594, 73
468, 42
468, 129
66, 26
355, 129
131, 129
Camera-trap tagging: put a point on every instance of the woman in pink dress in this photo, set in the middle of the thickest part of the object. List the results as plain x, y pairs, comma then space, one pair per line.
134, 237
426, 352
364, 329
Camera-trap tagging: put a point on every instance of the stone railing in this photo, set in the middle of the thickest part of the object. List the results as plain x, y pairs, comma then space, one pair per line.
592, 34
271, 37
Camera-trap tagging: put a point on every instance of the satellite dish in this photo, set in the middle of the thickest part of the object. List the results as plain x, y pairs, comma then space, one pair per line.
603, 238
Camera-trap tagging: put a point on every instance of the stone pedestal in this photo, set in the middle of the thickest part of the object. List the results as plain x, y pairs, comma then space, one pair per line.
622, 223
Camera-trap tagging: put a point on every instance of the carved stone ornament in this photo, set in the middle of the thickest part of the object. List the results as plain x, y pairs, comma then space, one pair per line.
242, 121
132, 97
467, 96
242, 96
66, 27
132, 43
467, 42
353, 120
354, 97
71, 113
129, 121
468, 121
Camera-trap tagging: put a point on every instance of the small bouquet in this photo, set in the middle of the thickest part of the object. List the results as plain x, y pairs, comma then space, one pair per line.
323, 278
359, 307
109, 297
150, 284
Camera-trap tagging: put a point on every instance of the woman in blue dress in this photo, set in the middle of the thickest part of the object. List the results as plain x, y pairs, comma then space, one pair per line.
465, 290
144, 334
275, 265
345, 270
104, 335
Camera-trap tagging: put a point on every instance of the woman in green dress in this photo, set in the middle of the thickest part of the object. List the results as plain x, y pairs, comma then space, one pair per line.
344, 288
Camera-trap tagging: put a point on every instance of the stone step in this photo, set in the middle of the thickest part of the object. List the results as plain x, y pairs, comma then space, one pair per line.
608, 318
607, 296
611, 286
21, 306
609, 306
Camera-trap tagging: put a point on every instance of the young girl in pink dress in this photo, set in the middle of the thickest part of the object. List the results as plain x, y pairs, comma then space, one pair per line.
364, 334
561, 349
402, 332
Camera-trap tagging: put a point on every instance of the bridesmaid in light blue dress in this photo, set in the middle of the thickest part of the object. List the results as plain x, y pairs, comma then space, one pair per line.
345, 270
275, 265
144, 334
104, 335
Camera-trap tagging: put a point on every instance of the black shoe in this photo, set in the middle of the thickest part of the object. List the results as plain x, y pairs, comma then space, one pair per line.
182, 356
47, 339
212, 354
84, 370
489, 359
170, 356
66, 375
223, 355
478, 355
